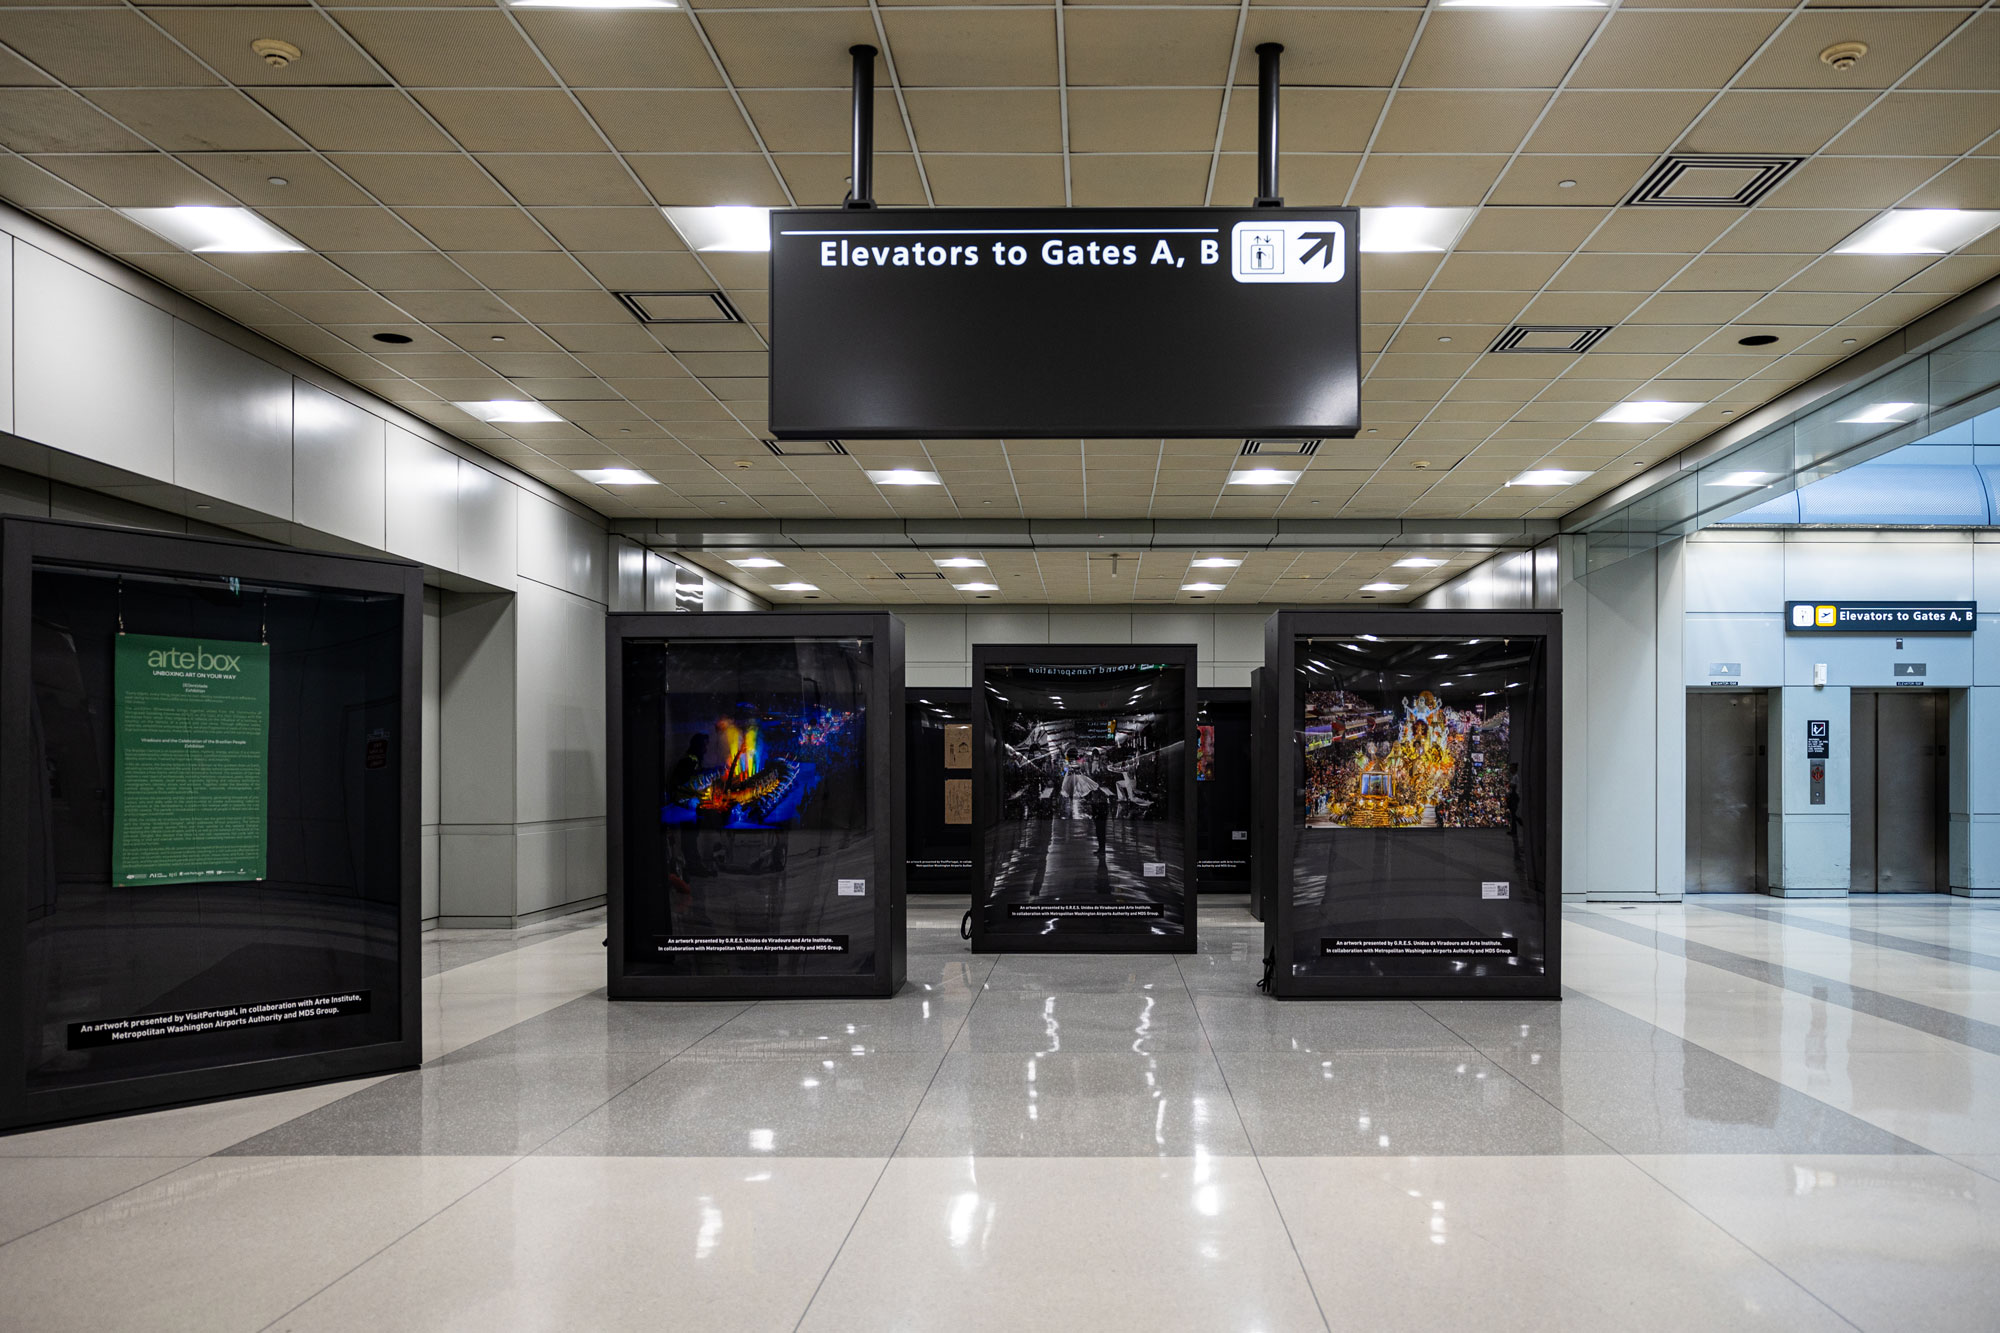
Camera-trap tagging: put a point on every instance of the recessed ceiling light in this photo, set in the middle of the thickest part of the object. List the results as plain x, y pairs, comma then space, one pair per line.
507, 410
1920, 231
393, 339
903, 476
593, 4
1757, 340
1549, 476
1383, 587
960, 562
1201, 587
758, 562
794, 587
1216, 562
208, 229
1647, 412
1401, 231
977, 587
1419, 562
616, 476
1263, 476
1521, 4
724, 227
1881, 414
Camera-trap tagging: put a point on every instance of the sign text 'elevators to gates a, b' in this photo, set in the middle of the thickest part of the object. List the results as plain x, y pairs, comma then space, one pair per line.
987, 323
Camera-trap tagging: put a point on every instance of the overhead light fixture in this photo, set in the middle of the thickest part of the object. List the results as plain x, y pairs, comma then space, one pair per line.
209, 229
1216, 562
794, 587
1201, 587
903, 476
1419, 562
1743, 479
593, 4
507, 410
1881, 414
758, 562
1383, 587
1549, 476
977, 587
1263, 476
1646, 412
1920, 231
1412, 230
1521, 4
740, 228
616, 476
960, 562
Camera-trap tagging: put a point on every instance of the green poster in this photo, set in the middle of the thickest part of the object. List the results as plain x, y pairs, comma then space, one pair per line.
192, 745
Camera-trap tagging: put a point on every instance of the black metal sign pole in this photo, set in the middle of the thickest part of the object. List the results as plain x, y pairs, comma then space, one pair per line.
1267, 126
862, 193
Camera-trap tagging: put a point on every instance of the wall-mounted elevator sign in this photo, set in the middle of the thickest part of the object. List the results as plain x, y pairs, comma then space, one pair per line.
1881, 617
986, 323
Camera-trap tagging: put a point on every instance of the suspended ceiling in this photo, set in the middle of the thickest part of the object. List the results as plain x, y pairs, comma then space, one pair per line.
480, 179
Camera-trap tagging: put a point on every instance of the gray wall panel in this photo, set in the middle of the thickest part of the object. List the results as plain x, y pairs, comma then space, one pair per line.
6, 333
486, 526
95, 374
338, 466
232, 424
421, 500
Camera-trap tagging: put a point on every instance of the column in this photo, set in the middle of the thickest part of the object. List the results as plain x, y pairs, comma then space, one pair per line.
1975, 792
1811, 842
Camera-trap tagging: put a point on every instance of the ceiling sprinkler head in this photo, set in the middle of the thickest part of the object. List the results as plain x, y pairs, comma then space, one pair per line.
1844, 55
277, 54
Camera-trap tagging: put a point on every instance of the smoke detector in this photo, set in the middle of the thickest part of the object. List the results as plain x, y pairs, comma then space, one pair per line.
277, 54
1844, 55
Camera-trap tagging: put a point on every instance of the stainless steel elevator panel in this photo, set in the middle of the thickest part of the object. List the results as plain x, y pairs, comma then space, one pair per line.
1726, 796
1899, 789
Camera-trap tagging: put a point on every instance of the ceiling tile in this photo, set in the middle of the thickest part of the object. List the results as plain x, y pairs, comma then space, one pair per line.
1896, 40
1499, 48
993, 120
1692, 49
1130, 120
708, 178
446, 48
961, 181
817, 120
1159, 179
602, 228
1537, 178
107, 47
422, 178
1329, 48
600, 179
1587, 121
198, 119
654, 121
382, 120
502, 228
1421, 121
1773, 122
133, 179
967, 48
1433, 179
1113, 45
798, 48
56, 120
513, 121
621, 48
221, 38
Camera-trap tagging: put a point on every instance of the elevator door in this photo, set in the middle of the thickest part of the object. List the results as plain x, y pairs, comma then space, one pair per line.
1898, 786
1726, 798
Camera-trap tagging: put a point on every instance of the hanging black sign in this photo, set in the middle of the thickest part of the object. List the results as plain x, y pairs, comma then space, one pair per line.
1881, 617
986, 323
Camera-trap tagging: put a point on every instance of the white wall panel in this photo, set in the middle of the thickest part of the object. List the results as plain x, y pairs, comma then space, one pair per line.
1025, 626
421, 499
6, 333
934, 636
1754, 644
628, 574
1090, 627
476, 690
1735, 572
232, 424
338, 466
1616, 659
486, 527
1195, 627
1878, 567
93, 367
1239, 636
538, 548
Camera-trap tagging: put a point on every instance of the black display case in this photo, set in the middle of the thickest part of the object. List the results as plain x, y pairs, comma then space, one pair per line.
1417, 758
1083, 798
937, 749
1263, 821
1222, 801
209, 764
757, 805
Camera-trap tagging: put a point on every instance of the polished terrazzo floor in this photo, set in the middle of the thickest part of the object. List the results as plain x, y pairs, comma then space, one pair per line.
1748, 1113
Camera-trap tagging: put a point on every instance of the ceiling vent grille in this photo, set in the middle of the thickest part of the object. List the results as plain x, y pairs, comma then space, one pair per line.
705, 307
922, 574
1712, 180
1288, 448
1562, 339
805, 448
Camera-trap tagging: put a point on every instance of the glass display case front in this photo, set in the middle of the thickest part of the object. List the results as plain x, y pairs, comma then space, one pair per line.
1084, 794
1419, 824
211, 819
1222, 792
938, 752
754, 794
